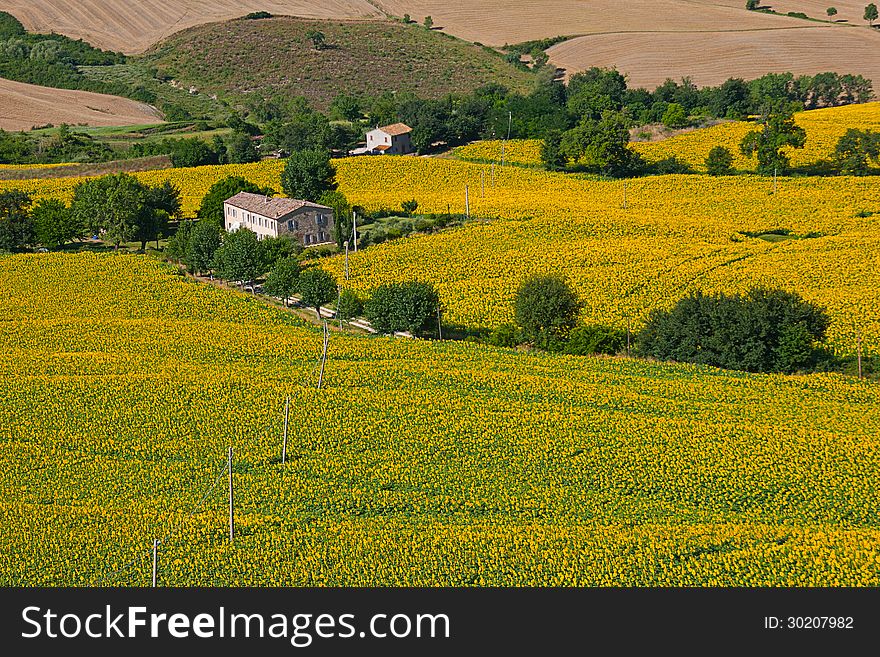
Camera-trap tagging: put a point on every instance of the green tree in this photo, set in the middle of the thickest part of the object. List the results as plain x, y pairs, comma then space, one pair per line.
342, 221
855, 149
16, 225
347, 107
719, 162
283, 279
240, 257
54, 224
308, 174
779, 130
192, 152
429, 23
675, 116
595, 339
397, 307
601, 146
409, 207
318, 39
240, 149
546, 308
349, 306
178, 244
831, 11
212, 204
279, 248
551, 152
871, 14
118, 205
316, 287
752, 5
201, 247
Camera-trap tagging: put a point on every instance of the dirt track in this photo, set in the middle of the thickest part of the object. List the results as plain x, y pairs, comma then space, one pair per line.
23, 106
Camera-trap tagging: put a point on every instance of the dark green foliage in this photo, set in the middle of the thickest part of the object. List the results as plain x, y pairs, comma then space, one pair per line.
308, 174
601, 146
675, 116
201, 247
240, 149
595, 339
349, 306
280, 248
193, 153
54, 224
212, 204
16, 225
179, 242
719, 162
506, 335
283, 279
762, 331
752, 5
258, 15
316, 287
667, 166
397, 307
779, 130
409, 207
551, 152
546, 308
871, 14
854, 151
342, 219
593, 93
318, 39
240, 257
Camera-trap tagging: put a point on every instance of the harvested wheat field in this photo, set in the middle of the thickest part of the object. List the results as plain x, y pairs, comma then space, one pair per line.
709, 58
848, 11
132, 27
23, 106
496, 22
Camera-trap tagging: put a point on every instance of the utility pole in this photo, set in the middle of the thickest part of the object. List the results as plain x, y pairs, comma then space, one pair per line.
155, 560
324, 355
284, 442
231, 504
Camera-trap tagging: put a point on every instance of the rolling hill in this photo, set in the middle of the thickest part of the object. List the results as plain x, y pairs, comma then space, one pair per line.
23, 106
274, 57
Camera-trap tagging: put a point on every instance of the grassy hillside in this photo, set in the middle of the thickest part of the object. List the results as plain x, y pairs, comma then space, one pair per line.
242, 58
420, 463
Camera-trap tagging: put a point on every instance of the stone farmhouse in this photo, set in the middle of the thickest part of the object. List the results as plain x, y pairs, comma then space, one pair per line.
310, 223
395, 139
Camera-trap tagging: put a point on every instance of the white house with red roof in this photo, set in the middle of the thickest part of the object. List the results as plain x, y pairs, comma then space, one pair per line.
394, 139
267, 216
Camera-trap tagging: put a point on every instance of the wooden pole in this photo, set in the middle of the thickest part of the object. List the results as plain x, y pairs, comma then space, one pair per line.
339, 303
624, 195
439, 324
346, 261
774, 180
493, 174
628, 341
155, 560
231, 503
482, 185
284, 442
354, 230
324, 355
467, 202
859, 349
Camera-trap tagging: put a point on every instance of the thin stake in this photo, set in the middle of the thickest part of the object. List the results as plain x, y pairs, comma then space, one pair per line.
493, 174
624, 195
354, 230
628, 342
155, 560
439, 324
324, 355
231, 498
284, 443
482, 184
859, 343
467, 202
774, 180
339, 303
346, 261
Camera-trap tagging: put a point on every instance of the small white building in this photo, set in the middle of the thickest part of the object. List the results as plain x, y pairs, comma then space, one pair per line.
267, 216
395, 139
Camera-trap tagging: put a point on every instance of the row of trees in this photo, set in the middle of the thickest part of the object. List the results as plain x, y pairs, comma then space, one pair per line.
764, 330
119, 207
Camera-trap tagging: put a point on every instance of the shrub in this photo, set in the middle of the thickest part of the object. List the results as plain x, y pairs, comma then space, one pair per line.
719, 162
546, 309
505, 335
316, 287
409, 207
402, 307
349, 306
761, 331
283, 280
595, 339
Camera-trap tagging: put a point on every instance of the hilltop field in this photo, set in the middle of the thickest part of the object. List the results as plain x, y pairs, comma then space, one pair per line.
420, 463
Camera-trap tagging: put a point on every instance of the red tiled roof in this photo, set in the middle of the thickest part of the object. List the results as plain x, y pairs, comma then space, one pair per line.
272, 207
396, 129
382, 147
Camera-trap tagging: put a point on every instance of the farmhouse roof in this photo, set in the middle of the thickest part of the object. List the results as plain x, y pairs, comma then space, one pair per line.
382, 147
396, 129
272, 207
